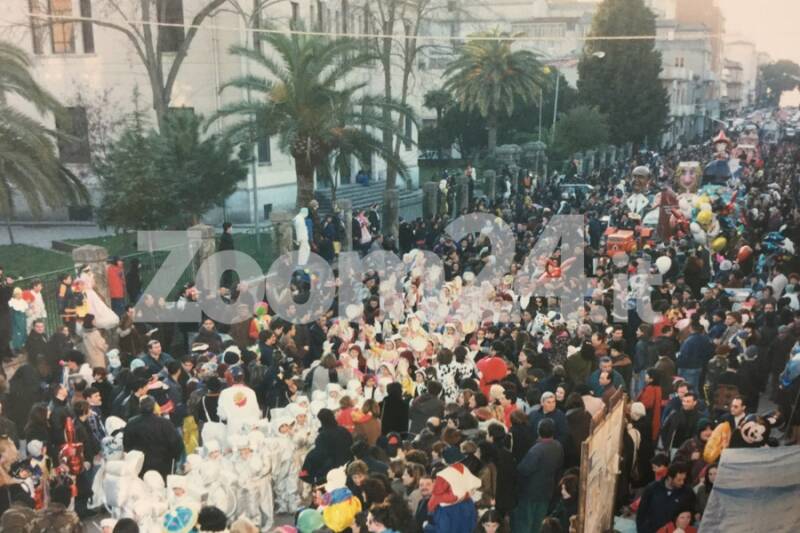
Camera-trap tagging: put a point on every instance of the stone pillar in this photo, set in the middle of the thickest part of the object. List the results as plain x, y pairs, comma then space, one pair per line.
515, 178
391, 204
612, 154
282, 226
95, 257
462, 194
430, 199
590, 161
202, 245
345, 208
490, 184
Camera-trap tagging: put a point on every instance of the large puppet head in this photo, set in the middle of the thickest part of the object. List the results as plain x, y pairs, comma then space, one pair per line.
641, 179
722, 145
687, 177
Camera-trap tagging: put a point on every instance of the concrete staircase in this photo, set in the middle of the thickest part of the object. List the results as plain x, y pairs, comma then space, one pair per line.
363, 197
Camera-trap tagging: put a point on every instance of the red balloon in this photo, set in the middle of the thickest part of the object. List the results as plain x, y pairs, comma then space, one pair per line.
744, 254
555, 272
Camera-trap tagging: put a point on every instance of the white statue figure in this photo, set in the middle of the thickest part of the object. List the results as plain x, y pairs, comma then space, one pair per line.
104, 316
301, 236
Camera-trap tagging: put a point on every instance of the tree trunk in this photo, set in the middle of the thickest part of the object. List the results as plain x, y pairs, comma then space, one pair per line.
8, 220
304, 169
491, 122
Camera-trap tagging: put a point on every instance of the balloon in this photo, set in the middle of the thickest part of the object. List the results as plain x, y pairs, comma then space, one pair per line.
555, 272
704, 218
705, 207
744, 254
719, 244
663, 264
698, 234
726, 265
700, 200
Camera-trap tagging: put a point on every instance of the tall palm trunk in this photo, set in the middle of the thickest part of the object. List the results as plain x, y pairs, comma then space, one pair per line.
9, 206
491, 124
304, 169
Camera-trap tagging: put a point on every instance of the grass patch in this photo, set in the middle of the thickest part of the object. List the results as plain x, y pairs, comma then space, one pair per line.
21, 260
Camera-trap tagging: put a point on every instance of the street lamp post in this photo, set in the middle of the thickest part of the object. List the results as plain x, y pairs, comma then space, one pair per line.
599, 55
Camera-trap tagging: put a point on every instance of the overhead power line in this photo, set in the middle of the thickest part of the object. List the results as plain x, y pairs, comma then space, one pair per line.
361, 35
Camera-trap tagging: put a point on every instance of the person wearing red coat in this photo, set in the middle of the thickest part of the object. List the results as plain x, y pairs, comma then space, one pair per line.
651, 398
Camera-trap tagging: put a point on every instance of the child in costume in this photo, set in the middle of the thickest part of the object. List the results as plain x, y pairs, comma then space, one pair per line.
285, 473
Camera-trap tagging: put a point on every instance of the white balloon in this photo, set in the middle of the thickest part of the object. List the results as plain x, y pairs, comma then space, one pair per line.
698, 234
705, 207
725, 265
663, 264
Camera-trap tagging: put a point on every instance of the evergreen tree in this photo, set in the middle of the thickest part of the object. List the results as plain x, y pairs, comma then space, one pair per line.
168, 179
624, 83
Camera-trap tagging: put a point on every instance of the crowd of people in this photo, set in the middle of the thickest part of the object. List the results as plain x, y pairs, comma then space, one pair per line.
386, 419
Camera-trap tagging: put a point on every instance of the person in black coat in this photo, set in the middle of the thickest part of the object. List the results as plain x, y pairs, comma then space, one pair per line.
661, 499
331, 448
24, 391
521, 440
505, 495
36, 343
6, 289
394, 414
426, 406
60, 410
154, 436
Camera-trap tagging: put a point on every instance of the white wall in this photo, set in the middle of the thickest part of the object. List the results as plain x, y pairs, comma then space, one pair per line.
114, 71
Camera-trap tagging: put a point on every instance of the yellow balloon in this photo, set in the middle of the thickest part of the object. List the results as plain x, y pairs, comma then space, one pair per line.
704, 218
719, 244
700, 200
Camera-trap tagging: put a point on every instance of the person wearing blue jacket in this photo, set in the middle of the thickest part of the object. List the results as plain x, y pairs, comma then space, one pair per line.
593, 381
695, 352
548, 410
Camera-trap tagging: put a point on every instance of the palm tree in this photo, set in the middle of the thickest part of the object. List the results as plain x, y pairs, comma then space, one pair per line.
488, 76
28, 161
439, 100
311, 104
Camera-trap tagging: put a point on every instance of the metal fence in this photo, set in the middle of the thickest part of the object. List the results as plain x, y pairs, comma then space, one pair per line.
259, 247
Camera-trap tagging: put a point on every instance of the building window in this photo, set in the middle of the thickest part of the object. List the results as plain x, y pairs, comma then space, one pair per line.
74, 147
170, 12
409, 134
320, 16
87, 30
37, 27
62, 33
264, 151
345, 16
295, 13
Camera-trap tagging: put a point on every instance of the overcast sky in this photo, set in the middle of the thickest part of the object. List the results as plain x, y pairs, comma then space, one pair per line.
771, 24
